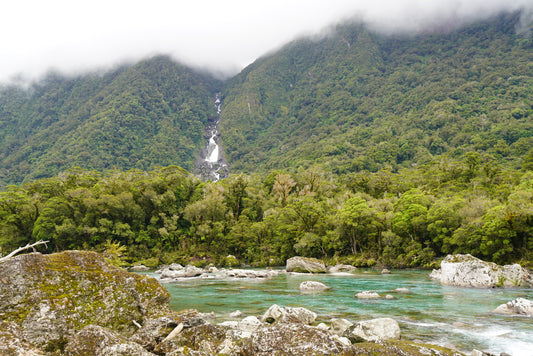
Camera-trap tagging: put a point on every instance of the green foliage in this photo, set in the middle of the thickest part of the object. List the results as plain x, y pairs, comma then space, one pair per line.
355, 100
141, 116
168, 216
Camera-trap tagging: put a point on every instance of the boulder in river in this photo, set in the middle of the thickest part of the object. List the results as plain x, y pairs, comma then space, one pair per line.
305, 265
469, 271
313, 286
341, 269
519, 306
373, 330
367, 294
185, 272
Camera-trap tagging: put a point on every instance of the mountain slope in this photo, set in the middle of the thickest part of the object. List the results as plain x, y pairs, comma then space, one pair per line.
357, 100
149, 114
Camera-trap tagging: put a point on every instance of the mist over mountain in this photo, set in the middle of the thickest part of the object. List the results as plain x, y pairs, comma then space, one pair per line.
351, 99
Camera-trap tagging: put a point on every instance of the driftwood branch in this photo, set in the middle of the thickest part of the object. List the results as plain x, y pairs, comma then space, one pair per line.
27, 247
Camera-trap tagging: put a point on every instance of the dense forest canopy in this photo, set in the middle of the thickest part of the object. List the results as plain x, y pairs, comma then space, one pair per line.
354, 147
356, 100
141, 116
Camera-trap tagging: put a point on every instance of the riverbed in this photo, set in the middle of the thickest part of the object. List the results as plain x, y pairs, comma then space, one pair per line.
440, 315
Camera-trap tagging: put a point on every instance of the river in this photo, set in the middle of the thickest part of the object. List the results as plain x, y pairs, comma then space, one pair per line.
431, 313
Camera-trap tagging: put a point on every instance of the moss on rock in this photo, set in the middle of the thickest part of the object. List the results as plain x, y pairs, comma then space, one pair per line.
53, 296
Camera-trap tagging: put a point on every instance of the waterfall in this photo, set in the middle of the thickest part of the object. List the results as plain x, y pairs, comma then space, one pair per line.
212, 166
212, 149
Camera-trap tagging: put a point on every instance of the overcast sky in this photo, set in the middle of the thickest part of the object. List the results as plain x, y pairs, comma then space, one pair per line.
80, 35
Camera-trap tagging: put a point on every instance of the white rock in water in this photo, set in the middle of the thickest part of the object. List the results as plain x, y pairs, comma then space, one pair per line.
313, 286
368, 295
469, 271
402, 290
519, 306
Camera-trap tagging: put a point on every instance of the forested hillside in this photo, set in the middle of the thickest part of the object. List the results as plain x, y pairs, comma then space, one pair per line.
356, 100
141, 116
355, 147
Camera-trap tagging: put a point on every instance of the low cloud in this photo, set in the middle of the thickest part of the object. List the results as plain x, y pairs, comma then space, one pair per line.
73, 36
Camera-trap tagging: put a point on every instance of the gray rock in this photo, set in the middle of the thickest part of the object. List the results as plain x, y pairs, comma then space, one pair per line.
469, 271
340, 268
13, 342
305, 265
385, 271
186, 272
288, 315
99, 341
367, 295
51, 297
519, 306
249, 273
139, 268
249, 324
313, 286
339, 326
294, 339
373, 330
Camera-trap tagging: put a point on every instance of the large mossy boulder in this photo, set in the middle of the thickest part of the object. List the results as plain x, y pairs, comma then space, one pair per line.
469, 271
305, 265
52, 297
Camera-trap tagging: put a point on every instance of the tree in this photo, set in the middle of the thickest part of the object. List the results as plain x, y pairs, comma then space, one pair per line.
355, 222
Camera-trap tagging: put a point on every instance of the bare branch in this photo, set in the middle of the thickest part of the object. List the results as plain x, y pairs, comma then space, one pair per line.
27, 247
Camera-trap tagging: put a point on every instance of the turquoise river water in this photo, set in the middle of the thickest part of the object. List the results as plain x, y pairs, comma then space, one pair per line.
431, 313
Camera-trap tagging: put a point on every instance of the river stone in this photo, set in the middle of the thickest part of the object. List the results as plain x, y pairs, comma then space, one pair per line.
340, 268
519, 306
185, 272
288, 315
139, 268
339, 326
305, 265
373, 330
469, 271
51, 297
309, 286
248, 273
294, 339
367, 295
100, 341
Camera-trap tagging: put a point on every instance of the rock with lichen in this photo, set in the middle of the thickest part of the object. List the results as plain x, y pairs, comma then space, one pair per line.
469, 271
305, 265
294, 339
99, 341
52, 297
